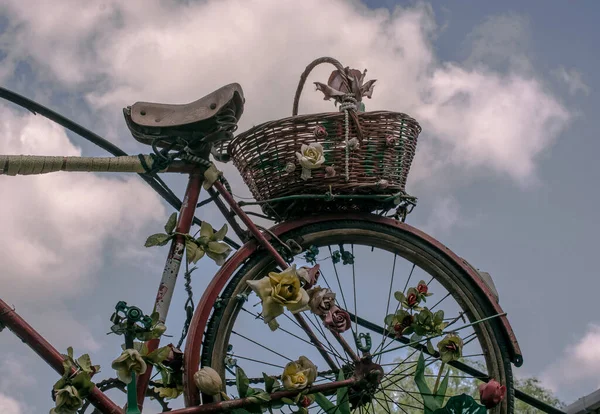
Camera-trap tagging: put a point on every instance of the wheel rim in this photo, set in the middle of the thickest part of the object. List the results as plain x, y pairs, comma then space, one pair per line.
445, 278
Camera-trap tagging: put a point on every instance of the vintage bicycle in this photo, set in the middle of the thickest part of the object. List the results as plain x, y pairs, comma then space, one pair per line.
330, 310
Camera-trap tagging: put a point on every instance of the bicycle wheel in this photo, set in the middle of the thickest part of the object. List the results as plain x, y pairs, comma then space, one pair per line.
382, 259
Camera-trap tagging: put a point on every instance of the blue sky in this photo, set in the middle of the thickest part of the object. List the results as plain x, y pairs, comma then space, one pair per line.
506, 170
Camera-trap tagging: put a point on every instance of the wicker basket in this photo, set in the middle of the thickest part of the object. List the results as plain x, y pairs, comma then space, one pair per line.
377, 168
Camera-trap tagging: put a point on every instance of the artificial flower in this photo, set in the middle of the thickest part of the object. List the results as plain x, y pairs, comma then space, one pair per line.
492, 393
128, 362
310, 157
321, 300
299, 374
279, 290
208, 381
68, 401
337, 320
450, 348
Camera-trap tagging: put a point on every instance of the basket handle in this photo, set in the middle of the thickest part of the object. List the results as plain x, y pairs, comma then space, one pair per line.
307, 71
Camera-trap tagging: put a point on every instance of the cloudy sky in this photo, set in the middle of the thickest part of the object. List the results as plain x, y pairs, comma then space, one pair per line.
506, 170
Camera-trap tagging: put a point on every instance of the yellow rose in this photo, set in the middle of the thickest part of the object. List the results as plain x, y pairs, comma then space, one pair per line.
279, 290
299, 374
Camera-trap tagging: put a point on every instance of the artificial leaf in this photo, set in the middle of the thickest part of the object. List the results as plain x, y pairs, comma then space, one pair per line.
70, 352
242, 382
415, 338
211, 175
428, 400
158, 239
288, 401
399, 296
325, 404
343, 401
158, 355
430, 347
461, 404
199, 254
155, 316
190, 250
438, 317
261, 396
389, 319
440, 395
220, 235
171, 223
269, 383
85, 362
83, 383
218, 248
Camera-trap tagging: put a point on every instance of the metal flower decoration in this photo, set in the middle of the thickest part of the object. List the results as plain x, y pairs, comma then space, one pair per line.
350, 82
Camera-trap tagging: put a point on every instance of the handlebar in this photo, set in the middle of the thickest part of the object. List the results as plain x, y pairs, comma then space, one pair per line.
35, 164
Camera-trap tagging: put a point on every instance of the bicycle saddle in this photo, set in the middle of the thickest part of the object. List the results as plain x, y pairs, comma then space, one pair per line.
148, 121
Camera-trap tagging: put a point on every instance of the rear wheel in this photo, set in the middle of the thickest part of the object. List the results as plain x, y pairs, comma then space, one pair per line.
364, 263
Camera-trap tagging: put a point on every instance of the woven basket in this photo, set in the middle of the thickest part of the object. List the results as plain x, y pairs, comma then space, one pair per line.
266, 159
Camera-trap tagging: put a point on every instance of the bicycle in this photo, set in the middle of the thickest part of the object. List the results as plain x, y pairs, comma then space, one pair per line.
344, 372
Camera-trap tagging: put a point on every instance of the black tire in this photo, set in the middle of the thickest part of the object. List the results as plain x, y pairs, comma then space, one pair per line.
435, 261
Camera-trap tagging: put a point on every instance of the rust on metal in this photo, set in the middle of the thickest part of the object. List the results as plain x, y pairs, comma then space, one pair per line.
169, 277
26, 333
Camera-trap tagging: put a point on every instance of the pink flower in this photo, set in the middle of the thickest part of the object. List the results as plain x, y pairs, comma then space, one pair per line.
337, 320
390, 140
320, 132
329, 172
491, 393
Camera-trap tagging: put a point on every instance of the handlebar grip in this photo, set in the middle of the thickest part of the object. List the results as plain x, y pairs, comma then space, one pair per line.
35, 164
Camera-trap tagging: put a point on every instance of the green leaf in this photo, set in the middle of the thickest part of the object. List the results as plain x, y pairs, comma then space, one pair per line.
461, 404
288, 401
262, 396
155, 316
325, 404
199, 254
70, 352
85, 362
430, 347
343, 401
269, 383
440, 395
415, 338
171, 223
242, 382
428, 400
389, 319
190, 250
220, 235
83, 383
218, 248
399, 296
438, 317
158, 239
158, 355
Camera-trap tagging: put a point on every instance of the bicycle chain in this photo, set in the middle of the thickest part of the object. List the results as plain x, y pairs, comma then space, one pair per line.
111, 383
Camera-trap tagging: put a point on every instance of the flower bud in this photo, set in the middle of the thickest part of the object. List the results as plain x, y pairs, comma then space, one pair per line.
492, 393
208, 381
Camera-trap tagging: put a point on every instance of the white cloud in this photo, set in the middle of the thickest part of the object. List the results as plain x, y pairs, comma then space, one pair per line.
56, 226
475, 118
573, 80
580, 363
9, 405
444, 215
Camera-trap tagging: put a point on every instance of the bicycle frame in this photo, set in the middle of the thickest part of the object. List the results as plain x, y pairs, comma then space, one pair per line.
10, 319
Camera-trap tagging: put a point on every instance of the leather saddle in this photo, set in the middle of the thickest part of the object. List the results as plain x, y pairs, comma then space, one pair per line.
193, 122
